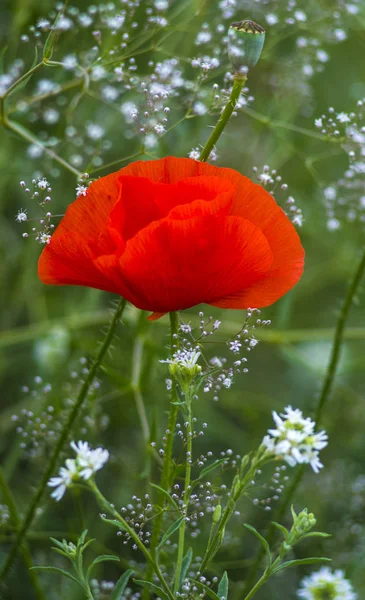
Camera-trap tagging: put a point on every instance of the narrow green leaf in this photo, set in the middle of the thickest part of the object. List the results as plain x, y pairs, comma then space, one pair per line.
186, 561
281, 528
113, 522
171, 530
100, 559
166, 494
206, 589
300, 561
57, 570
316, 534
120, 586
154, 588
211, 467
264, 543
51, 39
223, 586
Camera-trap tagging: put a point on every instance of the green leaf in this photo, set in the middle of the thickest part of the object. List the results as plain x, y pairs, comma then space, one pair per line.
166, 494
300, 561
114, 523
281, 528
223, 586
186, 561
264, 543
51, 39
316, 534
211, 467
120, 586
154, 588
57, 570
171, 530
206, 589
100, 559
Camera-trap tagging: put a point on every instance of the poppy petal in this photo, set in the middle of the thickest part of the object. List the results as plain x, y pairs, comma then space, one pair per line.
175, 264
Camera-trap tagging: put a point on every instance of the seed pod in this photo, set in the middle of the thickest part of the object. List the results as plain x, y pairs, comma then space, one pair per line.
245, 43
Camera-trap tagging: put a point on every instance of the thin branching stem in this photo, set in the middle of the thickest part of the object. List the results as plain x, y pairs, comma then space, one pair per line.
9, 499
324, 396
62, 439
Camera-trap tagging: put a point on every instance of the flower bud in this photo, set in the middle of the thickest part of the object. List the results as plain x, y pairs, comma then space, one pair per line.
245, 43
217, 514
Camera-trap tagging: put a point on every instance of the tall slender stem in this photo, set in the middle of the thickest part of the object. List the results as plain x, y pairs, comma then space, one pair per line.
14, 516
188, 462
105, 505
238, 83
166, 475
322, 400
85, 388
21, 79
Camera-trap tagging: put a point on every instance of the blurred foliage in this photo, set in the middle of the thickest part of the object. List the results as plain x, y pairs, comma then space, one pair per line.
36, 320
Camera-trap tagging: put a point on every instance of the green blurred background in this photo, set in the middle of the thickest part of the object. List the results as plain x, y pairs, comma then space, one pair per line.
46, 331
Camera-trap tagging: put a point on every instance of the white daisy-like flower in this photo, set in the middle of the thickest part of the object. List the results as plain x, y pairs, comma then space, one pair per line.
21, 216
328, 584
294, 439
66, 475
84, 466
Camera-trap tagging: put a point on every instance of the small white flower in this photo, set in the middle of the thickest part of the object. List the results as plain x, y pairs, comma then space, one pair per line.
94, 131
318, 123
81, 190
185, 327
300, 16
326, 583
216, 325
330, 193
294, 439
91, 461
44, 238
21, 216
84, 466
271, 19
343, 117
43, 184
235, 346
194, 154
66, 475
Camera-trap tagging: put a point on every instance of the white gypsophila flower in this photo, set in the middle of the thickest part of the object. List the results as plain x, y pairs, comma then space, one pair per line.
183, 358
66, 475
295, 439
21, 216
81, 190
328, 584
43, 184
343, 117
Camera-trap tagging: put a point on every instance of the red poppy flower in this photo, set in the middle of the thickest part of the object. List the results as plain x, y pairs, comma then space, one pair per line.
173, 233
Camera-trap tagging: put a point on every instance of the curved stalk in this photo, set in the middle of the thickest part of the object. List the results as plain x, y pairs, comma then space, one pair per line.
323, 398
66, 429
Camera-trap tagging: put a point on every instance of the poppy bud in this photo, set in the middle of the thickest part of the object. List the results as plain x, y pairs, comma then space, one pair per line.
245, 43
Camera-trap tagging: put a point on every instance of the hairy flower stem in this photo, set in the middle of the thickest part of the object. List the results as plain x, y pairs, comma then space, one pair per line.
14, 517
238, 83
323, 398
105, 505
66, 429
166, 475
187, 489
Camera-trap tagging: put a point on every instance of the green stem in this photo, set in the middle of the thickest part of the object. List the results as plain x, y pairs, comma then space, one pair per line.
256, 587
238, 83
105, 505
188, 462
26, 135
14, 516
85, 388
136, 382
166, 475
236, 492
21, 79
323, 397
